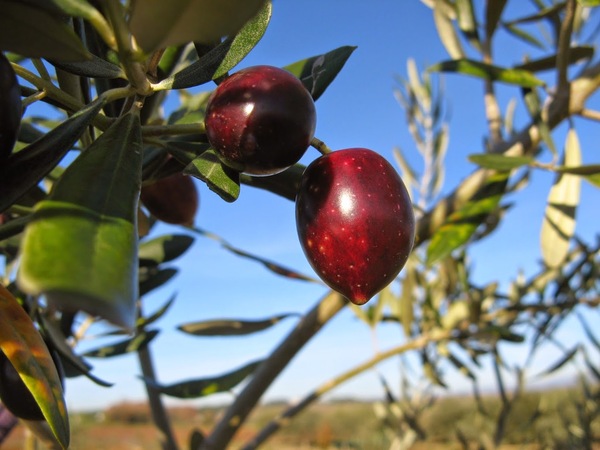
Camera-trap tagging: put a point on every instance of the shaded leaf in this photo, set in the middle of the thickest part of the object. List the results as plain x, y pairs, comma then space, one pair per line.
202, 387
317, 72
80, 249
588, 332
231, 327
163, 249
488, 72
499, 162
524, 36
558, 225
23, 170
138, 342
224, 57
37, 33
273, 267
157, 24
145, 321
220, 179
20, 341
96, 67
284, 184
561, 362
542, 14
493, 13
154, 279
576, 54
467, 22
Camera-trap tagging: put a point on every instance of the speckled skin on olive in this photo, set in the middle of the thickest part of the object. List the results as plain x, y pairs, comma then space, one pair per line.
173, 199
355, 221
260, 120
10, 108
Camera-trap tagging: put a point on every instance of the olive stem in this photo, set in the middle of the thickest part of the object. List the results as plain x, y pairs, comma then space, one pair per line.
320, 146
39, 95
93, 16
41, 68
174, 130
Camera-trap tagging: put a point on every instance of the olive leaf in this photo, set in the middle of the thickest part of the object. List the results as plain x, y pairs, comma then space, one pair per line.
157, 24
138, 342
96, 67
490, 72
202, 387
80, 249
285, 184
20, 341
575, 55
24, 170
219, 178
231, 327
152, 278
317, 72
222, 58
37, 33
499, 162
558, 225
164, 249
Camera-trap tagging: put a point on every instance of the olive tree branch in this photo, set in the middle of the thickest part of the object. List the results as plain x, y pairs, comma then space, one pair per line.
524, 143
285, 417
264, 375
173, 130
590, 114
564, 46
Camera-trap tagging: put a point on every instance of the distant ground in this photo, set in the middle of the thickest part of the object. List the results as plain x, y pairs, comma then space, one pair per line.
350, 425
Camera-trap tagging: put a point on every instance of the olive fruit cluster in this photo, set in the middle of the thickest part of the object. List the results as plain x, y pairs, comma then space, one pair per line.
15, 395
354, 216
10, 108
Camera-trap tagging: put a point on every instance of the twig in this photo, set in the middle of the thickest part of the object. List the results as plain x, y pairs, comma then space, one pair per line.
237, 413
564, 45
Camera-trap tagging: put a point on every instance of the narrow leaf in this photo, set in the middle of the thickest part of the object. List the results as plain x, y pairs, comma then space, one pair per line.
20, 341
317, 72
24, 170
524, 36
80, 250
157, 24
493, 13
153, 279
205, 386
576, 54
284, 184
164, 249
489, 72
550, 11
499, 162
467, 22
446, 30
273, 267
145, 321
558, 225
231, 327
36, 33
219, 178
138, 342
224, 56
561, 362
95, 68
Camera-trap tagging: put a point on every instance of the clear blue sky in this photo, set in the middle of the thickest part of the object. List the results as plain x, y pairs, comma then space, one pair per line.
358, 110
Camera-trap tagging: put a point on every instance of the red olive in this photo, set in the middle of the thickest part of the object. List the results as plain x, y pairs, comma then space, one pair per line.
355, 221
173, 199
10, 108
260, 120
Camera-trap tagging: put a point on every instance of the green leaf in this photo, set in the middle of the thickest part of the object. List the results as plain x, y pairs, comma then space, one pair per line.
543, 14
524, 36
499, 162
20, 341
460, 226
24, 170
576, 54
80, 249
95, 68
224, 56
158, 24
164, 249
219, 178
37, 33
284, 184
145, 321
317, 72
467, 22
493, 13
558, 225
590, 3
205, 386
231, 327
138, 342
155, 278
488, 72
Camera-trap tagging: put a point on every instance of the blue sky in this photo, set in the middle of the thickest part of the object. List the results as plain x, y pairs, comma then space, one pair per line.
358, 110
